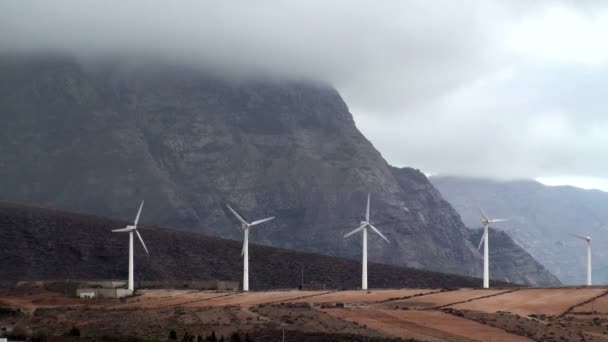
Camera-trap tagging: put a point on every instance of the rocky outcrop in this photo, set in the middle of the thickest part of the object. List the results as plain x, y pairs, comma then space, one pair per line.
100, 140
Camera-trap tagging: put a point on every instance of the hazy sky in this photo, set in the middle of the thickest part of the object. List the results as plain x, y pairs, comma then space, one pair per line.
507, 89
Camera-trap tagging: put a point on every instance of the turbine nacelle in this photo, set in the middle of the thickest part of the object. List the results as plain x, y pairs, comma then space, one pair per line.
586, 238
486, 220
131, 228
124, 230
365, 224
246, 225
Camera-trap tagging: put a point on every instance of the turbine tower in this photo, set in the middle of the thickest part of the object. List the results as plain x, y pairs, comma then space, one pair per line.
130, 230
245, 252
485, 221
364, 225
588, 239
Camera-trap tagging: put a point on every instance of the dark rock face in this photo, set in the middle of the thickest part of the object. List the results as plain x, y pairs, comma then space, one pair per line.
101, 140
542, 219
433, 228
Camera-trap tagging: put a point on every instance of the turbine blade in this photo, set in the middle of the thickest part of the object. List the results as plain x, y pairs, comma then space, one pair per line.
378, 232
499, 220
355, 231
367, 210
121, 230
261, 221
483, 213
237, 215
138, 213
142, 241
245, 240
579, 236
483, 237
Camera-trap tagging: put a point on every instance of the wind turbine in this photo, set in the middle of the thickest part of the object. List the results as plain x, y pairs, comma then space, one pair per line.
485, 220
364, 225
245, 252
130, 229
588, 239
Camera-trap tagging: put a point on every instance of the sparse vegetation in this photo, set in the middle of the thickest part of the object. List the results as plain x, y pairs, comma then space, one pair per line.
43, 235
74, 332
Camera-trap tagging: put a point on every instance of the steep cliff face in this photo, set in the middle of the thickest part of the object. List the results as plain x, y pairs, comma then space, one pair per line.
434, 228
101, 140
542, 219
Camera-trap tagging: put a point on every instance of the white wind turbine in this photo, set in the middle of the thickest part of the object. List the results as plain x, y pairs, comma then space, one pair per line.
485, 220
588, 239
364, 225
130, 230
245, 252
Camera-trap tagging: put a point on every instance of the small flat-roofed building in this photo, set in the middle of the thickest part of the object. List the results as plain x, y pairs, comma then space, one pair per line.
86, 293
90, 293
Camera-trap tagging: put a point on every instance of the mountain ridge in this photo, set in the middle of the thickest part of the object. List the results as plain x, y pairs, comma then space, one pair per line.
100, 141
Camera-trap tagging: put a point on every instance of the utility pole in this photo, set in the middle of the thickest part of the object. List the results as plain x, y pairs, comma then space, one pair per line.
283, 328
301, 275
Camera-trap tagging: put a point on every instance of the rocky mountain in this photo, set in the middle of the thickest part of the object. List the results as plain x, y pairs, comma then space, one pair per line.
542, 220
100, 138
40, 243
505, 263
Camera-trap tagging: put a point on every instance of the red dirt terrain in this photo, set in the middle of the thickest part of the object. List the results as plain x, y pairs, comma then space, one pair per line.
439, 299
525, 302
548, 314
425, 325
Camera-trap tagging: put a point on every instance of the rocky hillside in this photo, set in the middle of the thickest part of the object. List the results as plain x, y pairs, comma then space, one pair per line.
502, 248
542, 219
100, 139
38, 243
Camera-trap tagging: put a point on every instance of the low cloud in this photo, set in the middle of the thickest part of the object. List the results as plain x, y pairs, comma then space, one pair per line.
487, 88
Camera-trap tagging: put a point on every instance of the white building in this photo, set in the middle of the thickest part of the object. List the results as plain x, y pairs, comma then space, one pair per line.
90, 293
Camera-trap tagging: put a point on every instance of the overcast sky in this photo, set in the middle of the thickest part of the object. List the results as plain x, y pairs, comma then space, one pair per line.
501, 89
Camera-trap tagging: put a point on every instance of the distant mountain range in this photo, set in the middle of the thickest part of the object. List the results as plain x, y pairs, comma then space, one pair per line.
39, 244
542, 220
102, 138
